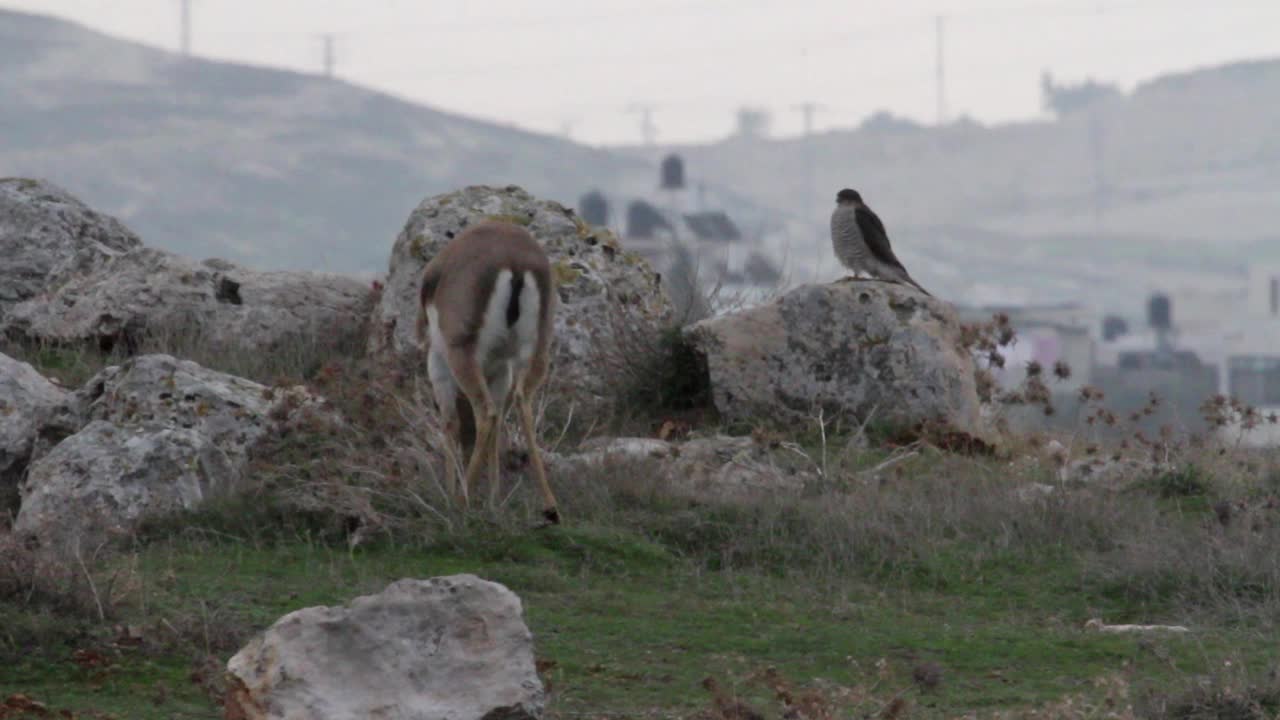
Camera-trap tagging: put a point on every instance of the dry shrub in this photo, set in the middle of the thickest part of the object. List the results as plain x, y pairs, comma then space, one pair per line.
47, 602
893, 522
814, 700
31, 578
1211, 560
652, 369
1231, 692
380, 470
1110, 700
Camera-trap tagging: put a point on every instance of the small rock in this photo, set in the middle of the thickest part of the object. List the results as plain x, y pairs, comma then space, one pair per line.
720, 465
927, 675
1108, 472
1034, 491
1099, 626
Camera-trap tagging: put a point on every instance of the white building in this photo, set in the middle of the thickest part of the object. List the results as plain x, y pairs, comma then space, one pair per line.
1046, 334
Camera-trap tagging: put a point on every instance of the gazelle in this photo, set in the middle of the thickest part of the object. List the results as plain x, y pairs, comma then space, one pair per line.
486, 308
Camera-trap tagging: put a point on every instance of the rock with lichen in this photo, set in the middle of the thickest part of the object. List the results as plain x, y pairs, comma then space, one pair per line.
48, 236
605, 292
860, 350
149, 294
160, 435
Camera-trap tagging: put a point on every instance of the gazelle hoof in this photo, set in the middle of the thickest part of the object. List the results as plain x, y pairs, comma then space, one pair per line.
551, 515
516, 460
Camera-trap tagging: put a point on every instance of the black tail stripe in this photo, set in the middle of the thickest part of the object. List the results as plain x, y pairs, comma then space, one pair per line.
513, 304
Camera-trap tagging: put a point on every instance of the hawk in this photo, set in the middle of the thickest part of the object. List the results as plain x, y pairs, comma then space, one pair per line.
861, 243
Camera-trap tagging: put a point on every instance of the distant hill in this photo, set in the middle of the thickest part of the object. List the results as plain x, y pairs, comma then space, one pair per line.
1137, 192
270, 168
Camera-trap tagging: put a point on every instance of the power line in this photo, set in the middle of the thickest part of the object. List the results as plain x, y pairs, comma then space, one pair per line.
679, 8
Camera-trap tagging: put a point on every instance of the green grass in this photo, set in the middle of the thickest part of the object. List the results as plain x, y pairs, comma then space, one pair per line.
633, 625
895, 558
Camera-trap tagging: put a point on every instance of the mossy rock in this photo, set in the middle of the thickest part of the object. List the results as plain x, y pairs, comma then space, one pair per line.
521, 220
565, 273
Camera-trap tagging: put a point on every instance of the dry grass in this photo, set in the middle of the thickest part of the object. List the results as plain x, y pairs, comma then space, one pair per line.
1192, 538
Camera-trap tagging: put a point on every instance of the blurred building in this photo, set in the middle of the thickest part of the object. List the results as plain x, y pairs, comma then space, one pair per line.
1048, 335
701, 248
1221, 341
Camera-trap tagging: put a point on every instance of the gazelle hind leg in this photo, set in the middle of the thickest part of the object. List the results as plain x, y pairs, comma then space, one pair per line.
549, 508
446, 394
500, 393
527, 386
470, 379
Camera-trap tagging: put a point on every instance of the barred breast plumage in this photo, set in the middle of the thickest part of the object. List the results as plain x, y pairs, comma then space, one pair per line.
846, 240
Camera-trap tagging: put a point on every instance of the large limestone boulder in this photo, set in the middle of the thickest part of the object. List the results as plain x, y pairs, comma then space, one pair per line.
34, 414
46, 235
217, 302
99, 483
717, 466
163, 434
447, 648
854, 349
604, 290
233, 412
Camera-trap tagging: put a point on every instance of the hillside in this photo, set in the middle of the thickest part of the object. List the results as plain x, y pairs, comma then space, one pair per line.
1133, 189
269, 168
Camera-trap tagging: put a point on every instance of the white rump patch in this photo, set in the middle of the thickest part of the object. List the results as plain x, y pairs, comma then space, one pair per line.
526, 327
493, 337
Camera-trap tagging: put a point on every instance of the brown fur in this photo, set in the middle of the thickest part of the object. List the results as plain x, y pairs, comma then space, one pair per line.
463, 273
459, 282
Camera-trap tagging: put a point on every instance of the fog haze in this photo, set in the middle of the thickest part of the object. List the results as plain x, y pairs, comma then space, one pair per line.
575, 66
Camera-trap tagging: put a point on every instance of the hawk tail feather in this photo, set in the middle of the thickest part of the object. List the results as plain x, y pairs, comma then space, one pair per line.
916, 285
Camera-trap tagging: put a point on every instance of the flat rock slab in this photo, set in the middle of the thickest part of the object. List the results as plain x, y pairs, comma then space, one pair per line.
447, 648
149, 292
716, 466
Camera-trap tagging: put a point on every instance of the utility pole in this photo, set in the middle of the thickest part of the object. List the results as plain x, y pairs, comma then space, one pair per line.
184, 27
809, 188
940, 30
648, 131
807, 111
1097, 143
329, 56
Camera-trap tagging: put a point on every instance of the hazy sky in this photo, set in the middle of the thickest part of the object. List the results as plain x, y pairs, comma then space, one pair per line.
554, 65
